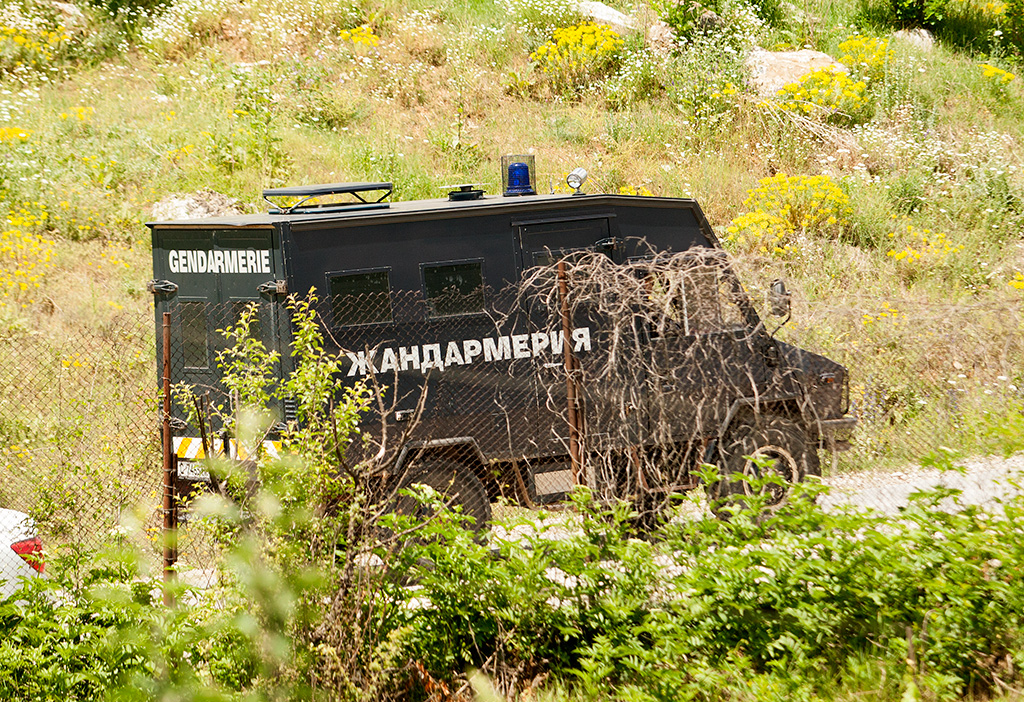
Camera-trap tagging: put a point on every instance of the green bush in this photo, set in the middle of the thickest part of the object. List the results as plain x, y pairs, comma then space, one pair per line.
791, 601
95, 628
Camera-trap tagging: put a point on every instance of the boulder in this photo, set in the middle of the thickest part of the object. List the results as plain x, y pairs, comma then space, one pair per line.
198, 205
770, 70
710, 22
918, 38
600, 13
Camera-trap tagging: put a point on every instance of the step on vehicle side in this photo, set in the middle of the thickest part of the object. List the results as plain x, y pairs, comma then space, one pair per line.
419, 294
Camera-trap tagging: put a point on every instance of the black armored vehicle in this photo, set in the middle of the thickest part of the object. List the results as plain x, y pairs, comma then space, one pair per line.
516, 392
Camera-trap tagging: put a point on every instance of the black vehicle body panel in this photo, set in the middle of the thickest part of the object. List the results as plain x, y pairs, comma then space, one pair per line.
500, 404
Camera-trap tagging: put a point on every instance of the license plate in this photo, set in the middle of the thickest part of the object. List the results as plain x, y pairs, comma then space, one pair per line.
190, 470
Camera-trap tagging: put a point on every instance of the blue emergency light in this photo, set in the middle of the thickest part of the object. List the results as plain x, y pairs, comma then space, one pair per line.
517, 172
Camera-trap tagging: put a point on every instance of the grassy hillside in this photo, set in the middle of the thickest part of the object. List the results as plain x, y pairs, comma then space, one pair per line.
895, 189
890, 197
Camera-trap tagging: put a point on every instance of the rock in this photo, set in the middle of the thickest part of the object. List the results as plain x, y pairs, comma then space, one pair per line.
710, 22
603, 14
204, 203
770, 70
918, 38
661, 38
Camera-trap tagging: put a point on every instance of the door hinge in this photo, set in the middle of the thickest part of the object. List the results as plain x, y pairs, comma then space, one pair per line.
161, 287
273, 287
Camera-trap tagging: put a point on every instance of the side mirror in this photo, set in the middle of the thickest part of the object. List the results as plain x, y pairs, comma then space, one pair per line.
778, 299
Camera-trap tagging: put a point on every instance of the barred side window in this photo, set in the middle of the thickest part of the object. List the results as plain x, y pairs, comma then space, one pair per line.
454, 288
712, 303
701, 299
703, 306
360, 298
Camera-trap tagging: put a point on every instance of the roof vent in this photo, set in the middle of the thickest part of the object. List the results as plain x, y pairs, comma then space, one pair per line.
465, 192
307, 199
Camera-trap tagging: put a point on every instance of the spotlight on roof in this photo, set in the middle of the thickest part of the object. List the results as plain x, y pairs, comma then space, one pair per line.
575, 180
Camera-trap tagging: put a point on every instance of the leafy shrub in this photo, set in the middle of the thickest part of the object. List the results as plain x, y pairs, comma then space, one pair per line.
784, 206
704, 78
761, 232
639, 77
122, 8
1013, 16
734, 28
687, 23
250, 139
362, 39
771, 12
94, 629
577, 55
32, 40
712, 609
28, 48
975, 26
828, 93
867, 57
683, 17
924, 251
917, 13
25, 254
997, 79
360, 36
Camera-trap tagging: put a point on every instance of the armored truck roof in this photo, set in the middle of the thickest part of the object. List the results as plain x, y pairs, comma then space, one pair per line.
441, 208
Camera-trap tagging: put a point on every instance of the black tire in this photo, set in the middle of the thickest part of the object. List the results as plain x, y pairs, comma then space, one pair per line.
458, 484
780, 439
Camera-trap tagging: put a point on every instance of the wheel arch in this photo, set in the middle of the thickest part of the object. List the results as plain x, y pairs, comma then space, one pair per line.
463, 450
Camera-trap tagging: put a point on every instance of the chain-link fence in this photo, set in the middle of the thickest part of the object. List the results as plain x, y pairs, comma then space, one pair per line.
79, 428
624, 378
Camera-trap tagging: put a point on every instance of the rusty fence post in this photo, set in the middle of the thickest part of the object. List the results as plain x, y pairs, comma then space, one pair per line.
169, 511
570, 378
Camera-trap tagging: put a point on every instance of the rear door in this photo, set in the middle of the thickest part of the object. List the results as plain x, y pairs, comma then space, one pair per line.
217, 273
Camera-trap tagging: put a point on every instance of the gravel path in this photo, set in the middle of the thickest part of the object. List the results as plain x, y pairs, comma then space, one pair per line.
983, 481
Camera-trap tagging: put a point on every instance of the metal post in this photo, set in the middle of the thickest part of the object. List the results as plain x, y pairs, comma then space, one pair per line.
570, 379
170, 521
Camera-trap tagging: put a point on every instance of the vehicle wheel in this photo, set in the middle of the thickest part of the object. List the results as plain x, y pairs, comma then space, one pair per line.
457, 483
783, 442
